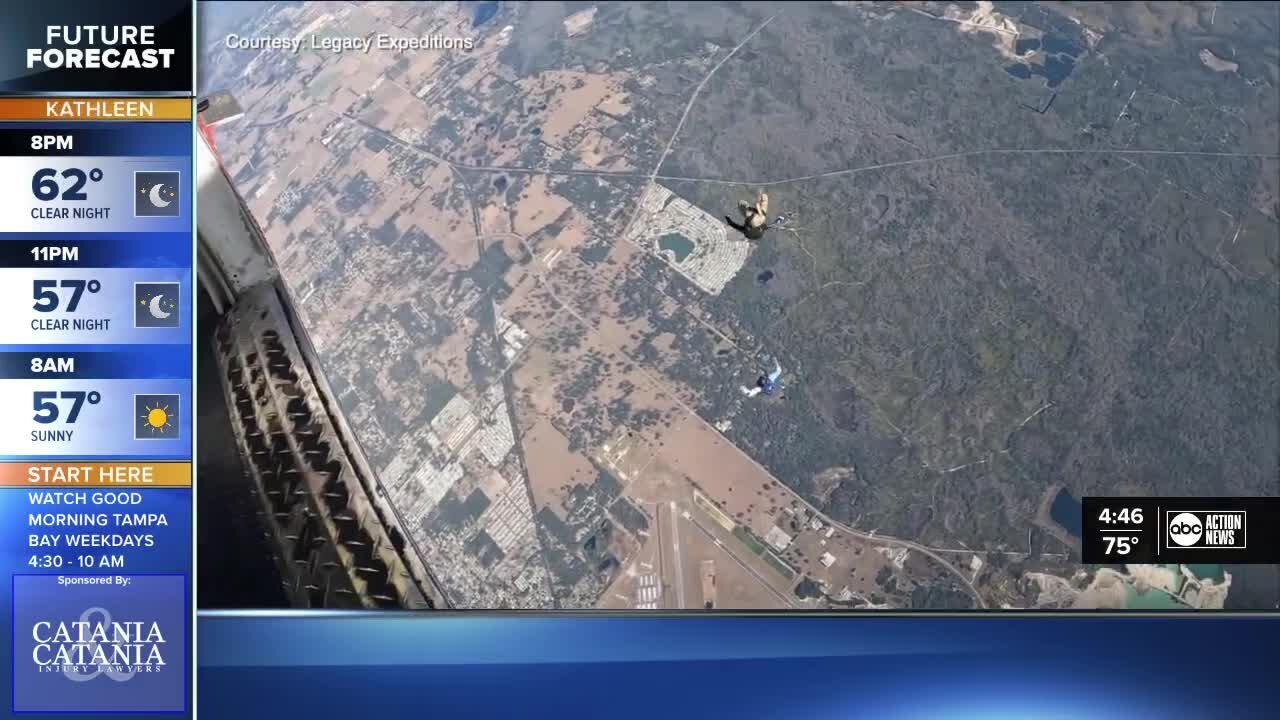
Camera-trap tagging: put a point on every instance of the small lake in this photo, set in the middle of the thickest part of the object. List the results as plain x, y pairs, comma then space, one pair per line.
1059, 59
679, 245
1067, 512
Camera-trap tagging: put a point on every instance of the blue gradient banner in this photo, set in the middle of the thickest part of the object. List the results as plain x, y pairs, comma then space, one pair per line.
125, 362
100, 250
891, 668
121, 138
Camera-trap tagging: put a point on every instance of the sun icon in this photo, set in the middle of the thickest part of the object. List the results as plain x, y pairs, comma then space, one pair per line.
157, 418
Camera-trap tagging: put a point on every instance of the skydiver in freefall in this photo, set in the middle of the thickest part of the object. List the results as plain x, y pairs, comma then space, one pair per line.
755, 217
766, 384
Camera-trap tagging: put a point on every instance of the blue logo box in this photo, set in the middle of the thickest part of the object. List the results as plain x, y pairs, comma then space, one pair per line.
99, 643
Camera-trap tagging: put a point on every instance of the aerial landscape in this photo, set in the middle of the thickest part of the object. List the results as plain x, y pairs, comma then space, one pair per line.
1019, 254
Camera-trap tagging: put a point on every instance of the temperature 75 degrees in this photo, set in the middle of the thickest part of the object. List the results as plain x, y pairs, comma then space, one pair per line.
1119, 544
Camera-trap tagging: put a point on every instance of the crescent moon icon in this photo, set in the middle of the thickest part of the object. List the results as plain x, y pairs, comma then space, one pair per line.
156, 312
155, 197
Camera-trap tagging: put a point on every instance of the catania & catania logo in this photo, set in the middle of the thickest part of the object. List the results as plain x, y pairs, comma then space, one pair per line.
96, 645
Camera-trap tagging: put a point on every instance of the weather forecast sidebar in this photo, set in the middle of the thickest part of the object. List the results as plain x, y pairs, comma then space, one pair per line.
96, 298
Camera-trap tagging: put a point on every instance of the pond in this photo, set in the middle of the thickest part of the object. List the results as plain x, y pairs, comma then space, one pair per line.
1067, 512
677, 244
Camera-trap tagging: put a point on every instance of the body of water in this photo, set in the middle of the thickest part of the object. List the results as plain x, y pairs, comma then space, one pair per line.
679, 245
1067, 512
1060, 55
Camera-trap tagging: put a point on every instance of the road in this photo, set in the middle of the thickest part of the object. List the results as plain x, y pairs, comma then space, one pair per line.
888, 541
768, 182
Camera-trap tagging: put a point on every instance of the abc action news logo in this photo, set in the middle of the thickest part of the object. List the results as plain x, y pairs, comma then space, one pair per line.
1218, 529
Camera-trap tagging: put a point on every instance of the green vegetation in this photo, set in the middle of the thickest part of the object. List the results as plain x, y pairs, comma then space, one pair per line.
776, 563
749, 539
